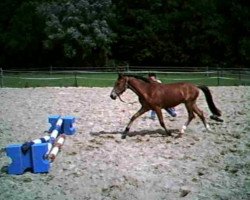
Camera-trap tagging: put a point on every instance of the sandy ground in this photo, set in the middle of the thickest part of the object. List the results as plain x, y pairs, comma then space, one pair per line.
96, 163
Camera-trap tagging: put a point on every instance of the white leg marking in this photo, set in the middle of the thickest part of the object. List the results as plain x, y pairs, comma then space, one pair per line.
183, 129
208, 128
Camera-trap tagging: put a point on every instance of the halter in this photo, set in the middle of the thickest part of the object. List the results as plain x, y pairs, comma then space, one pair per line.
118, 92
126, 87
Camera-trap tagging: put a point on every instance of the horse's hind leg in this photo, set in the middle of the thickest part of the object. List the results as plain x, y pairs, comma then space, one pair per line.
160, 117
191, 116
201, 115
134, 117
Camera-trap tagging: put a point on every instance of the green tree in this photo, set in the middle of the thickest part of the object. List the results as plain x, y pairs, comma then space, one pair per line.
236, 29
140, 32
21, 32
183, 32
81, 28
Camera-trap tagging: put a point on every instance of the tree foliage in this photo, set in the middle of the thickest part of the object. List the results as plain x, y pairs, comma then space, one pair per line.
21, 33
80, 27
139, 32
181, 33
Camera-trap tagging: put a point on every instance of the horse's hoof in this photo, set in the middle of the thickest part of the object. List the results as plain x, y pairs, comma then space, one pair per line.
178, 136
168, 133
124, 136
216, 118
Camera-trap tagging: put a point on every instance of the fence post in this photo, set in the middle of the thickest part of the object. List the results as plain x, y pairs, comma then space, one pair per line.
127, 67
75, 84
218, 76
240, 75
50, 69
1, 76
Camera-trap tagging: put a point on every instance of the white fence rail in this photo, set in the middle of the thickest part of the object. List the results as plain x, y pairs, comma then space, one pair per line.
237, 76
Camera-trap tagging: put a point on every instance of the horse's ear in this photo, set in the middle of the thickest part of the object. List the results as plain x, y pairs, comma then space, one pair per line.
120, 75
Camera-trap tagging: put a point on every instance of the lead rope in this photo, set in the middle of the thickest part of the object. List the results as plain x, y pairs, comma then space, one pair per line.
127, 86
121, 99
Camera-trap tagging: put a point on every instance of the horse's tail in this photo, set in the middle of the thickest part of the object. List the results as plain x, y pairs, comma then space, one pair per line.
216, 112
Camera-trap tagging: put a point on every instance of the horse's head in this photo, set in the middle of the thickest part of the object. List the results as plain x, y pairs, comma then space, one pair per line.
120, 86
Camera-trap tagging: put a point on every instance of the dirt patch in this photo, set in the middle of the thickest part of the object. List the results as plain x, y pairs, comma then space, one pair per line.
96, 163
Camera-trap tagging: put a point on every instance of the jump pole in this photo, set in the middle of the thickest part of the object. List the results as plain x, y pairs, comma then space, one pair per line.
54, 134
38, 154
56, 147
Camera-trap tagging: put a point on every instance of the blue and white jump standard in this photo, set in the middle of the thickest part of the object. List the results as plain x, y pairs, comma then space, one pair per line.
37, 155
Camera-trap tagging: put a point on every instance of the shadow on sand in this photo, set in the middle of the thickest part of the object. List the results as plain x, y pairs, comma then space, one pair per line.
152, 133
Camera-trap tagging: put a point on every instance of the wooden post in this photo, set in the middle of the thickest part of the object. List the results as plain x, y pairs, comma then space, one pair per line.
50, 69
207, 68
127, 67
1, 76
218, 76
75, 84
240, 76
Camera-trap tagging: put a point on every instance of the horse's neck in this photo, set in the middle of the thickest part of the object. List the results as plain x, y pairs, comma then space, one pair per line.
137, 86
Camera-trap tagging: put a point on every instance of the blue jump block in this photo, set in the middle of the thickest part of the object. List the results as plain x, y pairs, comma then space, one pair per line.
53, 120
67, 125
40, 163
32, 160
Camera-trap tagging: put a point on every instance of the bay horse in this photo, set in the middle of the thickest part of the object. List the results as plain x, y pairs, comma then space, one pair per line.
155, 96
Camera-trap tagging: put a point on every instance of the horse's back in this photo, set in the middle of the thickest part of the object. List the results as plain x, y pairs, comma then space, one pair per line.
180, 84
179, 92
189, 91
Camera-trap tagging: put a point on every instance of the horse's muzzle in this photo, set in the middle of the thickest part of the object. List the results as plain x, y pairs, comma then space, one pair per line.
113, 95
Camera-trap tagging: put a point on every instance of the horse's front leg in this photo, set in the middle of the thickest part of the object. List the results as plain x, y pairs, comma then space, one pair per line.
160, 117
134, 117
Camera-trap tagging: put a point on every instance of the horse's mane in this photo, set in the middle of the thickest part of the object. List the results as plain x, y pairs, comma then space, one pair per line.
138, 77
